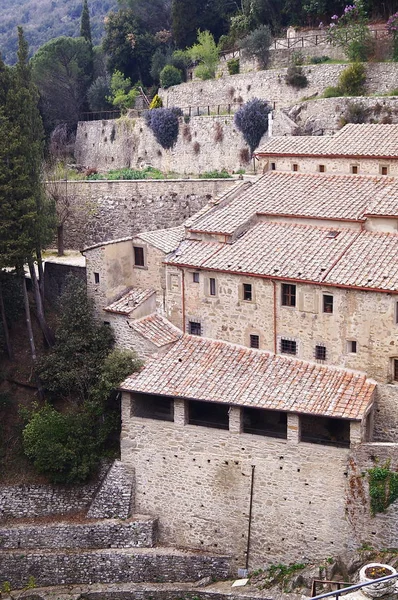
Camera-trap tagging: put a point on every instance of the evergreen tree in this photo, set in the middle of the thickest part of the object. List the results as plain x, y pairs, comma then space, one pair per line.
85, 28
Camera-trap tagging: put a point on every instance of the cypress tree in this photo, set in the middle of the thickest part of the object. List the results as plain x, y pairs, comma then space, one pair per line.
85, 27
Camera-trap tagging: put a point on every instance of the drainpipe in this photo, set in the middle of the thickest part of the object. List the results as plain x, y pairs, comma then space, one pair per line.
270, 121
274, 303
183, 299
250, 518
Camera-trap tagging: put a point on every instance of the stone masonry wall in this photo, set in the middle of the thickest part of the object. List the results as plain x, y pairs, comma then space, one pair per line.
109, 566
139, 532
270, 85
115, 496
116, 209
206, 143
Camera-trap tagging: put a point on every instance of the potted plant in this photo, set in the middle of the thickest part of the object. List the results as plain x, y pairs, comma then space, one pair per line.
373, 571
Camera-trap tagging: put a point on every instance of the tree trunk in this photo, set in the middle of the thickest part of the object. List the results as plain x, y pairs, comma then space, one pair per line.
5, 326
48, 334
30, 329
60, 240
41, 273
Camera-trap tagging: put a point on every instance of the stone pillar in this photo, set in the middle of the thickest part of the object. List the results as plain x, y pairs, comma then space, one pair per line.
293, 428
180, 411
127, 406
355, 432
235, 419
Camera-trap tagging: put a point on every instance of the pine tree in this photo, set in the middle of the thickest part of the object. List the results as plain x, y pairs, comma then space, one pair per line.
85, 28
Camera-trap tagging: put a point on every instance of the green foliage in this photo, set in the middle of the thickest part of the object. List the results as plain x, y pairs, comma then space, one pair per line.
280, 573
383, 487
156, 102
256, 45
350, 31
356, 112
85, 28
207, 53
97, 94
352, 80
159, 60
317, 60
114, 175
123, 95
332, 92
170, 76
233, 66
295, 77
215, 175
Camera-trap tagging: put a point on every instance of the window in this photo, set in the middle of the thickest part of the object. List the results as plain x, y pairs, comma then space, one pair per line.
383, 170
396, 312
320, 352
107, 323
288, 294
212, 286
325, 430
265, 422
195, 277
395, 369
288, 346
147, 406
294, 167
321, 168
354, 169
247, 292
254, 341
96, 277
327, 303
139, 256
208, 414
352, 346
273, 166
194, 328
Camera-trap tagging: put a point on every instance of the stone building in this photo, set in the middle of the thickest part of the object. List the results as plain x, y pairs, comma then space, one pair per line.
365, 149
272, 318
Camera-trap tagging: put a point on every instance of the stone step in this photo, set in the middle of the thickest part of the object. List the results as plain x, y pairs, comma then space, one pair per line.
140, 531
161, 565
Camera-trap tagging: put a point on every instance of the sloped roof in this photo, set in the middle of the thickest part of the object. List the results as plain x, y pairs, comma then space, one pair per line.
156, 329
164, 239
130, 301
354, 140
215, 371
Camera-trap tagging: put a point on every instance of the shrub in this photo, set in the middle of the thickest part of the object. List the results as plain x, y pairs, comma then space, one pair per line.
169, 76
203, 72
218, 132
207, 53
295, 77
356, 112
164, 125
186, 133
352, 80
317, 60
252, 120
256, 45
123, 95
244, 156
98, 94
332, 92
233, 66
351, 32
156, 102
196, 148
215, 175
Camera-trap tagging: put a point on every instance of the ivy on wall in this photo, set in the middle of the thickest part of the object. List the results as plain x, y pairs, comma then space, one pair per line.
383, 487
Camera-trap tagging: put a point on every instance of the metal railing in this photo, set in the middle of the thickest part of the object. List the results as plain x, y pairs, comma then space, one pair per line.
352, 588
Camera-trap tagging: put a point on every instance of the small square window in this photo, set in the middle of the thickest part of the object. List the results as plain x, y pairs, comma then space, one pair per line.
396, 313
195, 277
352, 346
254, 341
395, 369
288, 347
294, 167
194, 328
288, 294
321, 168
383, 170
354, 169
327, 303
320, 352
212, 286
247, 292
139, 256
96, 278
273, 166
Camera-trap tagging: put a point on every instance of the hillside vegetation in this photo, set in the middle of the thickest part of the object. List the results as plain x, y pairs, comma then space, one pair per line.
43, 20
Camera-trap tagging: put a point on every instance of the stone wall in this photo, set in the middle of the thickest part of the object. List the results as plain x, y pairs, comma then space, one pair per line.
205, 143
115, 496
55, 276
116, 209
139, 532
109, 566
270, 85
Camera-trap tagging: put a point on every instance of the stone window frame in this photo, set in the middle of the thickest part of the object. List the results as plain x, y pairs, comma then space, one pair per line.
384, 167
96, 278
272, 166
211, 287
170, 277
144, 255
350, 345
257, 336
354, 169
285, 294
194, 320
288, 339
394, 369
295, 167
396, 313
322, 168
195, 277
242, 292
320, 352
327, 312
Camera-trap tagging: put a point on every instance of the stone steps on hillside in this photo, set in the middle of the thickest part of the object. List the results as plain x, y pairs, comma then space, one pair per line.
140, 531
161, 565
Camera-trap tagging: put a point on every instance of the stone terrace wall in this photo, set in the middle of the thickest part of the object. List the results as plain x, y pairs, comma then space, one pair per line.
109, 566
206, 143
270, 85
139, 532
106, 210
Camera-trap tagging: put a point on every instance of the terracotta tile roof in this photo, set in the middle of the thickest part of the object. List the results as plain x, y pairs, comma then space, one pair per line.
107, 243
305, 195
128, 302
193, 252
365, 140
156, 329
216, 371
164, 239
371, 262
